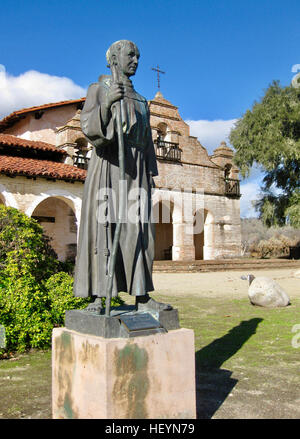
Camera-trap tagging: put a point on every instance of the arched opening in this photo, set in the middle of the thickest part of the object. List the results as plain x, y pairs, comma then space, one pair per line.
227, 171
203, 236
163, 231
162, 129
82, 153
59, 223
165, 146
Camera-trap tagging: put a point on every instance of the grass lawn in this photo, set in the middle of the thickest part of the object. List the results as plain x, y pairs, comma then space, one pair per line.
246, 365
245, 362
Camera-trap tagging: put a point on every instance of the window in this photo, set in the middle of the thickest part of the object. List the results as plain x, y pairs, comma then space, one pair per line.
81, 159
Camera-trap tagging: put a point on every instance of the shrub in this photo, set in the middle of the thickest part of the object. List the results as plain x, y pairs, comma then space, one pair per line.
24, 245
61, 298
273, 247
60, 291
29, 311
34, 294
24, 312
26, 260
261, 241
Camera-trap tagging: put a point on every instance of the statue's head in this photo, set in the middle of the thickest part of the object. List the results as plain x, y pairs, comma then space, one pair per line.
124, 55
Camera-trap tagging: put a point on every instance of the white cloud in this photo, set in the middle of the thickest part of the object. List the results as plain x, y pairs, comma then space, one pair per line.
34, 88
250, 193
250, 190
211, 133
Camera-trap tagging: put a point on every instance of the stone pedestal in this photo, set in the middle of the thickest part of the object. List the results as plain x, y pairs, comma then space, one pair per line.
137, 378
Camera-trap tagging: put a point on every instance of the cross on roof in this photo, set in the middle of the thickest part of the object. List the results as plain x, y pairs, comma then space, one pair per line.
158, 72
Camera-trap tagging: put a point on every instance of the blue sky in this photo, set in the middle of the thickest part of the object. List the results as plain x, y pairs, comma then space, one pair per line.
219, 55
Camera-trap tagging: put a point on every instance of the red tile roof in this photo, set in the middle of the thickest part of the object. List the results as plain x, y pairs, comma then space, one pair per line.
12, 118
9, 140
28, 167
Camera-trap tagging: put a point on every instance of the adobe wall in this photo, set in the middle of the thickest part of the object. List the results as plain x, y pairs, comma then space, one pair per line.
186, 176
28, 196
43, 129
198, 219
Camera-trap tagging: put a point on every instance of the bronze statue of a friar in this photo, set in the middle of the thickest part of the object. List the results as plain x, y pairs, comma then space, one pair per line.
114, 255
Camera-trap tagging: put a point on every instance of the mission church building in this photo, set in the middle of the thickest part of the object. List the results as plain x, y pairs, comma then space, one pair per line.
43, 160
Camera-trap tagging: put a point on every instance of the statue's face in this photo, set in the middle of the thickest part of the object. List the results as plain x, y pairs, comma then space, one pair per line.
128, 59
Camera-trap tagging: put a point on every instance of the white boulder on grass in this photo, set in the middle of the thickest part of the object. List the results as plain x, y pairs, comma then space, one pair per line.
297, 274
264, 291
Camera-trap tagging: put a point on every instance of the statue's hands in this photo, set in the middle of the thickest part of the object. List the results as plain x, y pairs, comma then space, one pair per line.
151, 180
116, 92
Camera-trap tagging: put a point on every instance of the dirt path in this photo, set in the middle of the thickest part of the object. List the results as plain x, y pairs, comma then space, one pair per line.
217, 284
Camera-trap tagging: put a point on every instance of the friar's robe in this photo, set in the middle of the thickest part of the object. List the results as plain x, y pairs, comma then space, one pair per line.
133, 272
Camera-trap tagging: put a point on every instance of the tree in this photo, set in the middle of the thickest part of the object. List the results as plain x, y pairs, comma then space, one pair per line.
269, 135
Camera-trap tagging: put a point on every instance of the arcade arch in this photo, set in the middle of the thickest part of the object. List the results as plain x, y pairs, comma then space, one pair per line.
162, 129
163, 214
73, 201
57, 217
203, 238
